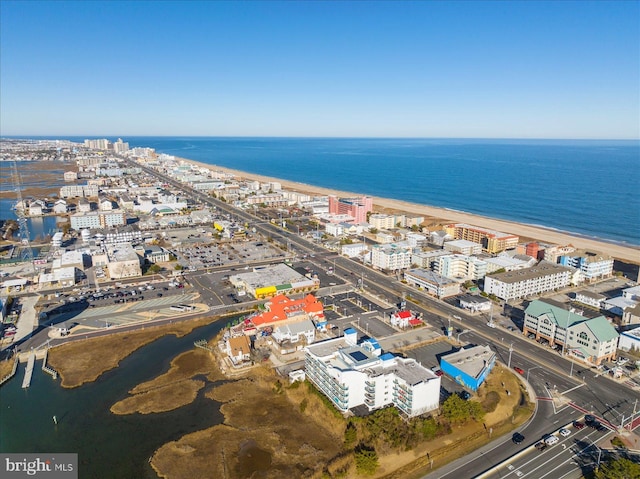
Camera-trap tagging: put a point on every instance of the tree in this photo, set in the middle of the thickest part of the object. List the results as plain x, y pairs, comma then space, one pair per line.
366, 460
350, 435
455, 409
619, 468
154, 268
373, 231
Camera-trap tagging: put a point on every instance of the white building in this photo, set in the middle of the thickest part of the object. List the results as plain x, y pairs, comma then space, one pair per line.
353, 250
590, 298
385, 222
390, 257
123, 262
295, 332
60, 206
72, 191
463, 247
474, 303
85, 220
460, 266
630, 340
355, 377
433, 283
427, 259
528, 282
509, 263
592, 265
632, 293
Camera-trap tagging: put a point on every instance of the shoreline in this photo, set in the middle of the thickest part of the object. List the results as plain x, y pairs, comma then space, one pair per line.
543, 234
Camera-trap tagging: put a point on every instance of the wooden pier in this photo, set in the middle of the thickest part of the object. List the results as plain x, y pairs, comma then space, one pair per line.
26, 382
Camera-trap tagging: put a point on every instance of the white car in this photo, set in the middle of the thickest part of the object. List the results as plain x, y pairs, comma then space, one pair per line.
551, 440
491, 324
564, 432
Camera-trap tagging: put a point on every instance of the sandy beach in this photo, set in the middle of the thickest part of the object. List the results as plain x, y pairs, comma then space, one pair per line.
624, 253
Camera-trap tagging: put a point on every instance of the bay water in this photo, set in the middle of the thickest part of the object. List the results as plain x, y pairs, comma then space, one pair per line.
108, 445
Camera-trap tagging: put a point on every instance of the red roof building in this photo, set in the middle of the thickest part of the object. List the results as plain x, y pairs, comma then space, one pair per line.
281, 308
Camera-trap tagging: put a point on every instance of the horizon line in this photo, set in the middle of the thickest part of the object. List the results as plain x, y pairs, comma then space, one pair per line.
106, 136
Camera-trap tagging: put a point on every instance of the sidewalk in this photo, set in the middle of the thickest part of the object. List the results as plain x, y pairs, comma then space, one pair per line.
27, 321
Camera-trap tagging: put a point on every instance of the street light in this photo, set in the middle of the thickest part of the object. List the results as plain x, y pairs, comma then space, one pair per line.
462, 332
599, 453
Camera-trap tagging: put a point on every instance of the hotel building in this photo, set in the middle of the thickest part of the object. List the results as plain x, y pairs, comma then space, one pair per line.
491, 241
357, 378
357, 208
528, 282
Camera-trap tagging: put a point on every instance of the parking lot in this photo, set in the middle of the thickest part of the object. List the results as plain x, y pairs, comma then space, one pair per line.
201, 256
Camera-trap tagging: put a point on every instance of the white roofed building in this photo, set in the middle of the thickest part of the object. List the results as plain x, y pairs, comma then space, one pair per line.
358, 378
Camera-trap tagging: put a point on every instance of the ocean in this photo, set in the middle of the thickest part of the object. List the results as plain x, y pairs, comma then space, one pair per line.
585, 187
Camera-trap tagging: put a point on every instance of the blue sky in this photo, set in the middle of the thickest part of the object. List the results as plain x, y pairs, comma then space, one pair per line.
528, 69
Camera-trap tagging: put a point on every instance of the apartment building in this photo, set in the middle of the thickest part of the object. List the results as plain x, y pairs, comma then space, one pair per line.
74, 191
529, 281
358, 377
390, 257
460, 266
492, 241
592, 265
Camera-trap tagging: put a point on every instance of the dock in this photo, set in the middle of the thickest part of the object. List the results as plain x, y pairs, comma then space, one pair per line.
29, 371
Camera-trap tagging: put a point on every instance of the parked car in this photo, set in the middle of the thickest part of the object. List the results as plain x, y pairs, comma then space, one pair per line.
578, 425
518, 370
517, 438
541, 445
550, 440
564, 432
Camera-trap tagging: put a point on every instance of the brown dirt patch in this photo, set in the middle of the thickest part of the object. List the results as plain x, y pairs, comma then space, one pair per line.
6, 367
162, 399
265, 434
83, 361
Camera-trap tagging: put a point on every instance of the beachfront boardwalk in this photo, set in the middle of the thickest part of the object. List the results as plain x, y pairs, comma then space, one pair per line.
26, 382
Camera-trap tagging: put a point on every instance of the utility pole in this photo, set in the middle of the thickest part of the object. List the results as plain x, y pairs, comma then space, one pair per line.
510, 351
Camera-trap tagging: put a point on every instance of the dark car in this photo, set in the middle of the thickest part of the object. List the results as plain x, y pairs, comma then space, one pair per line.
595, 425
517, 438
588, 419
541, 445
578, 425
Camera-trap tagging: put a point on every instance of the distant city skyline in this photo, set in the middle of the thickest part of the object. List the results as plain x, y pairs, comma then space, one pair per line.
549, 70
